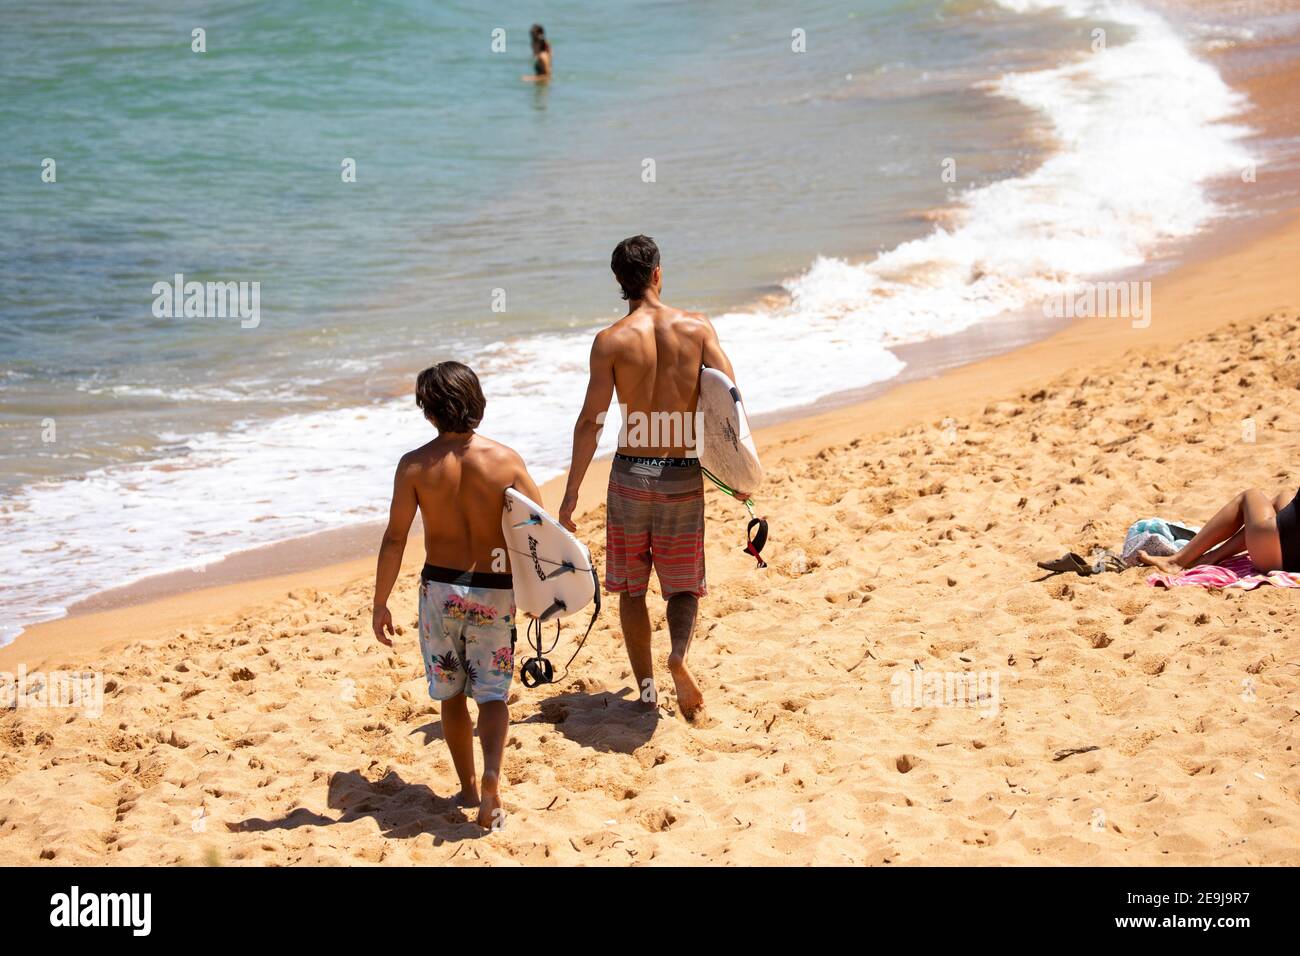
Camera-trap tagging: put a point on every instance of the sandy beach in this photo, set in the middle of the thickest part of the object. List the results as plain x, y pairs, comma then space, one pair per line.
260, 723
249, 717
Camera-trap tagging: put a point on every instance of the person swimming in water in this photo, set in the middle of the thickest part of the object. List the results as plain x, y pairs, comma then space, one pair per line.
541, 55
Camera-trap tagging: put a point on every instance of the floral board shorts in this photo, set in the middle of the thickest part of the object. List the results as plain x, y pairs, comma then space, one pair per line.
467, 633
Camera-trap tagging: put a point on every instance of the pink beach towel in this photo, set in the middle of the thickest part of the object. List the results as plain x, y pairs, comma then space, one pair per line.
1236, 572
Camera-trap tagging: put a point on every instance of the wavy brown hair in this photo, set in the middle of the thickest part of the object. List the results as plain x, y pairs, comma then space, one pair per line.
450, 396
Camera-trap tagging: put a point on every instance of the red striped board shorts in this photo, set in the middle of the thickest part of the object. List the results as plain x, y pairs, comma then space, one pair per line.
655, 517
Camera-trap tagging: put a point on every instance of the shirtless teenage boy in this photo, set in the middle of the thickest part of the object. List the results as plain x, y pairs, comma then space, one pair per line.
467, 612
655, 505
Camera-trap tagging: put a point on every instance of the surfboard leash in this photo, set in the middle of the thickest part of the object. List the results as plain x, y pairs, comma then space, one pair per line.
755, 531
537, 670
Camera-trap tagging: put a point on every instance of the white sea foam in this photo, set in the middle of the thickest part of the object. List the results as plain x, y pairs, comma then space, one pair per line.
1141, 126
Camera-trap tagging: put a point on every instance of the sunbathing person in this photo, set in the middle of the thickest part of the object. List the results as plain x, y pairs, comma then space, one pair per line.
1266, 529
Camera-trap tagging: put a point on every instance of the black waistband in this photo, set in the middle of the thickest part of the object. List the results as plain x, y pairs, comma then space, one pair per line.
666, 462
471, 579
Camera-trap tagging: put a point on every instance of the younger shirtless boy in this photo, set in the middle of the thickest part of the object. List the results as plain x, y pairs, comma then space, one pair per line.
467, 609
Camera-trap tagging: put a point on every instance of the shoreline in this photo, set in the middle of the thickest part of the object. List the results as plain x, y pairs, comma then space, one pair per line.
901, 685
895, 562
1193, 291
327, 551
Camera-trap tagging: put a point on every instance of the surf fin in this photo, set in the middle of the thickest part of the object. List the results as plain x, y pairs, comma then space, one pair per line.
565, 568
556, 607
532, 519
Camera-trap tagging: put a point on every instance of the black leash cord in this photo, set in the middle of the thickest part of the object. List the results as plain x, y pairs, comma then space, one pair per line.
538, 670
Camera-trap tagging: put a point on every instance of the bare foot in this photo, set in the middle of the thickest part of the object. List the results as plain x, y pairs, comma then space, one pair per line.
649, 699
1166, 565
490, 814
689, 697
468, 796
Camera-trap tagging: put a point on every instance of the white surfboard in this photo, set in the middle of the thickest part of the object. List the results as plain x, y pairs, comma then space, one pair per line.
726, 445
551, 569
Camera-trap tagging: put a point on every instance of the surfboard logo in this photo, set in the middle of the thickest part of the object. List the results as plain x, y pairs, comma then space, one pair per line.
730, 435
550, 570
537, 564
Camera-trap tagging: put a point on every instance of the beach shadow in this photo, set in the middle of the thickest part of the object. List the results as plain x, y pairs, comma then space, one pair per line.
605, 722
401, 810
433, 731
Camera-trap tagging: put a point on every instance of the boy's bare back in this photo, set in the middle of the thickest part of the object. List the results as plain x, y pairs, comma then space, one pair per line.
459, 487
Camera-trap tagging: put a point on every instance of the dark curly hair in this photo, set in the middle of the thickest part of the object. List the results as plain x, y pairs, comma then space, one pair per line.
634, 262
450, 396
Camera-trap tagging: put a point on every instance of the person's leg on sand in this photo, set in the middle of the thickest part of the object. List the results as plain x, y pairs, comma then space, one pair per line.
458, 731
1252, 514
677, 548
467, 640
487, 612
493, 725
629, 513
654, 520
634, 617
442, 650
1230, 548
682, 612
1237, 543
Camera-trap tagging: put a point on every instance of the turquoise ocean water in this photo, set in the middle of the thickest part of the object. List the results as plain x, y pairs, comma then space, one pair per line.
797, 196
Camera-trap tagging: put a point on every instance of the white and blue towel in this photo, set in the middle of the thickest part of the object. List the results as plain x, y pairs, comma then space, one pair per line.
1155, 536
